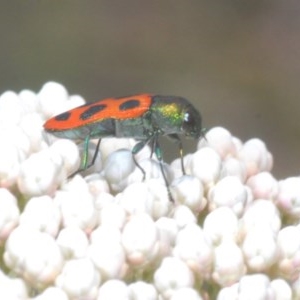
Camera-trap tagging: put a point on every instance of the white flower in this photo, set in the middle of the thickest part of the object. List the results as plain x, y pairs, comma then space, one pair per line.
234, 167
107, 253
117, 167
229, 264
110, 145
230, 192
254, 287
11, 109
183, 216
33, 255
260, 214
42, 214
73, 242
296, 288
172, 275
9, 213
84, 237
79, 279
221, 140
52, 99
114, 289
51, 293
31, 125
263, 186
189, 190
194, 249
221, 224
148, 197
69, 154
41, 173
288, 199
29, 101
140, 240
256, 157
112, 214
167, 231
186, 293
282, 289
260, 249
97, 185
142, 291
206, 165
289, 252
12, 288
16, 136
10, 159
77, 205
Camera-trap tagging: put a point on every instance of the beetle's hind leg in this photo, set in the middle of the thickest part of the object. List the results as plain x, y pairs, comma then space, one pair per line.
84, 163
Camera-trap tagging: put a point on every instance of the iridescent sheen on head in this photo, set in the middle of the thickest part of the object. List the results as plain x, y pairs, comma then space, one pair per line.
176, 115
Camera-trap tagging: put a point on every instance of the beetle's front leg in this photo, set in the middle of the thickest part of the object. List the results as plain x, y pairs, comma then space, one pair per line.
176, 139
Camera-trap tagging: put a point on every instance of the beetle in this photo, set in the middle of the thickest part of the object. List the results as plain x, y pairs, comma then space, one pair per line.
144, 117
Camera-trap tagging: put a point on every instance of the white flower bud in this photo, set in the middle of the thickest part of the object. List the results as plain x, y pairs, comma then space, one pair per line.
79, 279
172, 275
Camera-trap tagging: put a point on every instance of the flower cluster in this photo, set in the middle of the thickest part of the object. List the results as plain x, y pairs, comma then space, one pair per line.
232, 232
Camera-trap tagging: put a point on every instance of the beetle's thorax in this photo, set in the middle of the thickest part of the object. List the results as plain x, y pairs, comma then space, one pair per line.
166, 116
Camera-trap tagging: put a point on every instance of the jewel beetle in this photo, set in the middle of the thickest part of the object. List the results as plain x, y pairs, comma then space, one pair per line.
144, 117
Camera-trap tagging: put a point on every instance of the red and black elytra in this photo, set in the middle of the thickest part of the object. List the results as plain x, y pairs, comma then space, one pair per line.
144, 117
110, 108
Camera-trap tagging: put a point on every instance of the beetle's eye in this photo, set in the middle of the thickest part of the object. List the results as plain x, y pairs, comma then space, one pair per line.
188, 119
188, 123
191, 124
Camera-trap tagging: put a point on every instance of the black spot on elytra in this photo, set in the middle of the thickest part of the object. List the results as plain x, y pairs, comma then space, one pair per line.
129, 104
92, 110
63, 117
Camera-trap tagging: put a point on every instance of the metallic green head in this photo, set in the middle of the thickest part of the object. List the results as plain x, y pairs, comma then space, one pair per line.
176, 115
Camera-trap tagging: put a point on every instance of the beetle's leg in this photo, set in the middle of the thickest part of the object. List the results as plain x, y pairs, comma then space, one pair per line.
153, 145
136, 149
158, 154
84, 162
84, 157
176, 139
95, 155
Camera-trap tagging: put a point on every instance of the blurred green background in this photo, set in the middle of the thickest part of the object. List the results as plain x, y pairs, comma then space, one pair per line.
237, 61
